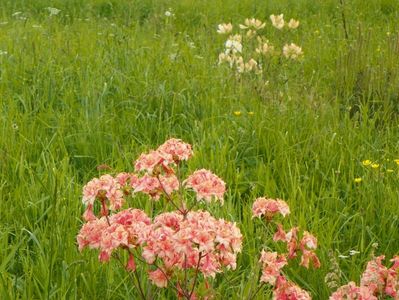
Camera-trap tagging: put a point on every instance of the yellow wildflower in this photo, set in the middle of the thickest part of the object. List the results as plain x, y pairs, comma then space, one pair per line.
375, 166
357, 180
366, 162
251, 113
389, 171
397, 161
237, 113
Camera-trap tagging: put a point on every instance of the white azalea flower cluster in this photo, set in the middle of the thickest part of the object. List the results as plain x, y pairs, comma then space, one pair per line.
248, 50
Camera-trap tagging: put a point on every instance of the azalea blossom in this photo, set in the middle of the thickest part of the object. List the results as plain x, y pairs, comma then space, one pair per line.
293, 24
253, 23
224, 28
264, 48
206, 185
127, 228
233, 44
175, 150
104, 188
196, 240
272, 263
277, 21
292, 51
269, 207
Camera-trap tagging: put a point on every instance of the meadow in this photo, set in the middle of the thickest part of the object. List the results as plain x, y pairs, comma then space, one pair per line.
101, 81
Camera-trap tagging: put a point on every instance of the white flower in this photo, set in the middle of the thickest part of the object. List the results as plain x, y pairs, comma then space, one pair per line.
353, 252
233, 44
253, 23
3, 52
224, 28
17, 13
169, 13
53, 11
277, 21
292, 51
293, 24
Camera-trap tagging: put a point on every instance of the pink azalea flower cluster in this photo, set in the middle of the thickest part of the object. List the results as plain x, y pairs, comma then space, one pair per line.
206, 185
273, 263
269, 208
376, 282
195, 241
126, 229
185, 241
173, 151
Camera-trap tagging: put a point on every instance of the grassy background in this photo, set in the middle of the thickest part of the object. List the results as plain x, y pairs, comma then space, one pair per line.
97, 84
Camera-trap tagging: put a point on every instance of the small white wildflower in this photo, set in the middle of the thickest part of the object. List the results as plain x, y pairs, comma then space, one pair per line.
191, 45
3, 52
224, 28
277, 21
343, 256
53, 11
173, 56
293, 24
15, 126
169, 13
17, 13
233, 44
353, 252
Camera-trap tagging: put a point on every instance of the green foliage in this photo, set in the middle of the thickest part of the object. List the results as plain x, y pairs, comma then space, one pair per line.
103, 81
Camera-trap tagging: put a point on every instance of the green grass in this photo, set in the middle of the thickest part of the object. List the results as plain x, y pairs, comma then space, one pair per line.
96, 84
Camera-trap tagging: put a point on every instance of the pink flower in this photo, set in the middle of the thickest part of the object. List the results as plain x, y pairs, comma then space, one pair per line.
175, 150
309, 256
286, 290
158, 277
127, 179
126, 229
375, 274
198, 239
155, 187
269, 207
206, 185
131, 265
104, 188
272, 263
352, 292
149, 161
308, 241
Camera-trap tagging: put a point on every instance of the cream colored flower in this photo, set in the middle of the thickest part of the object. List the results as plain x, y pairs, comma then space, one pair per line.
293, 24
277, 21
224, 28
264, 48
253, 23
251, 33
292, 51
233, 44
251, 65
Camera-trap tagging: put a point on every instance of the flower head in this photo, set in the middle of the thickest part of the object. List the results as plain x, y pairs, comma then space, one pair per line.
224, 28
206, 185
293, 24
292, 51
269, 207
253, 23
277, 21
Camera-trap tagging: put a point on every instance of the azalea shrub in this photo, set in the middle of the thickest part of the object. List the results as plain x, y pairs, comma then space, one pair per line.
182, 248
249, 49
179, 249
